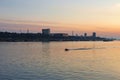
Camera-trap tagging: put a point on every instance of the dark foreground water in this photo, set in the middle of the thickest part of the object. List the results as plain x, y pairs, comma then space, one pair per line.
49, 61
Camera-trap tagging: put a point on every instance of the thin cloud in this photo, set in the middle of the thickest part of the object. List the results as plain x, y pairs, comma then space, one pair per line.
36, 22
27, 21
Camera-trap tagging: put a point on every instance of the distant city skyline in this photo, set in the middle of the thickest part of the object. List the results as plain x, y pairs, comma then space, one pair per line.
80, 16
47, 36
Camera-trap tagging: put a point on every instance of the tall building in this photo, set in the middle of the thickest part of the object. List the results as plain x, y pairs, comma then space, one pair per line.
85, 34
94, 35
46, 31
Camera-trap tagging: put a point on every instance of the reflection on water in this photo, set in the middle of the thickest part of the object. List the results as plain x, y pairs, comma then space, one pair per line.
49, 61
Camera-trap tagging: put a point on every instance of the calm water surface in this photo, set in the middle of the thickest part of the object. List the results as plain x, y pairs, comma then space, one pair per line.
49, 61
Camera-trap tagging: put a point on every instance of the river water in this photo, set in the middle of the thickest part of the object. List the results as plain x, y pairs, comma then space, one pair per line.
49, 61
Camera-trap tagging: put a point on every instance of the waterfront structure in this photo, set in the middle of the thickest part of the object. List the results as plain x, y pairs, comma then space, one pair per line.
94, 35
46, 31
85, 34
47, 36
60, 34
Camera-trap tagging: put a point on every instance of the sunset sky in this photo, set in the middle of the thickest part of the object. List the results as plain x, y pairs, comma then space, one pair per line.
101, 16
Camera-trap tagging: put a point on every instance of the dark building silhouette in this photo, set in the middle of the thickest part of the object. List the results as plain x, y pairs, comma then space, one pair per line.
60, 34
94, 36
85, 34
46, 31
47, 36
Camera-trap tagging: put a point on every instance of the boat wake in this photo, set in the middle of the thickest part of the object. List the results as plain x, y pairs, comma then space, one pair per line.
66, 49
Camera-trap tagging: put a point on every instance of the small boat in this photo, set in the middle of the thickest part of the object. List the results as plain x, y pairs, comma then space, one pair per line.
66, 49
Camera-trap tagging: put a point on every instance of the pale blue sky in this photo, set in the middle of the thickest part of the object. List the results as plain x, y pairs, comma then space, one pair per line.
48, 9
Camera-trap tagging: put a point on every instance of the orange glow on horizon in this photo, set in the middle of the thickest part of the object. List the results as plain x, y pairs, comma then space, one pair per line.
36, 26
